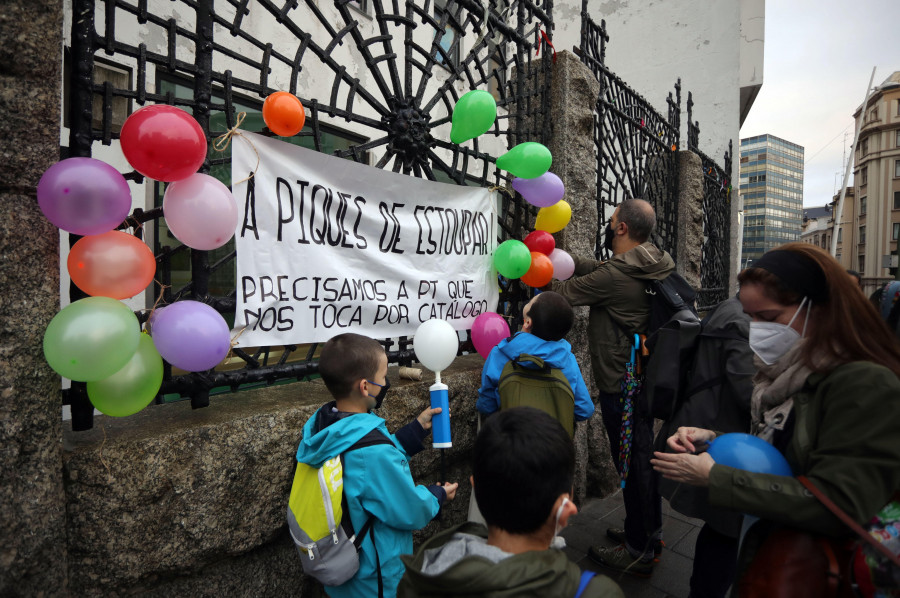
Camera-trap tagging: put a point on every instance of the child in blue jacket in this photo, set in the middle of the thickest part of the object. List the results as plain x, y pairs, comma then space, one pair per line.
377, 480
548, 317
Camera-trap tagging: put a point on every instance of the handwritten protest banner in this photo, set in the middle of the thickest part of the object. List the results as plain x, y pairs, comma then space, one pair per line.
326, 246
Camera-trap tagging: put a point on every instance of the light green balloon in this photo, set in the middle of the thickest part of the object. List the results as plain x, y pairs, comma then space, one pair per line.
512, 258
527, 160
133, 387
473, 115
91, 339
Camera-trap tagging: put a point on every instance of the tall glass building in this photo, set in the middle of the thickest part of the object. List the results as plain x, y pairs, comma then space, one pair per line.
772, 191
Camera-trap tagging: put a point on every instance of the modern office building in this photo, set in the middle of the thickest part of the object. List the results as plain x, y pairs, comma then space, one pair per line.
772, 191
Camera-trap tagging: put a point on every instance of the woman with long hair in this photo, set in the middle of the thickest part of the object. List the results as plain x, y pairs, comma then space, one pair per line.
826, 395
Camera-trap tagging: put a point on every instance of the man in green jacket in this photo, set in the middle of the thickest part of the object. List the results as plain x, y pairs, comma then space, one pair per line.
616, 291
522, 474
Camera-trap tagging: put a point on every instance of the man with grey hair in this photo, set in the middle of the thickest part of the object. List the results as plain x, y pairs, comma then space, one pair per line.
615, 290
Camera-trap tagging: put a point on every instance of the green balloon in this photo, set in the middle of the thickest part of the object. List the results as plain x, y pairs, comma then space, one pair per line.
133, 387
91, 339
527, 160
473, 115
512, 258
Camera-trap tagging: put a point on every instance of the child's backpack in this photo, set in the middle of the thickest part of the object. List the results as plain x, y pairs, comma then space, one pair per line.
329, 550
542, 387
671, 343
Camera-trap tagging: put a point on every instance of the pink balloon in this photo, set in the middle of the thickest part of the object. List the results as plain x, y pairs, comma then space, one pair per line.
542, 191
84, 196
488, 329
191, 335
563, 264
200, 211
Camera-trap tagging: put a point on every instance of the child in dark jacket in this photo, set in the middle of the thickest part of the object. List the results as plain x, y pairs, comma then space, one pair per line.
377, 481
548, 317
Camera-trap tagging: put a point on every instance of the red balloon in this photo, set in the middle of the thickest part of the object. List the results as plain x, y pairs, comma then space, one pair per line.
114, 264
540, 272
283, 113
163, 142
540, 241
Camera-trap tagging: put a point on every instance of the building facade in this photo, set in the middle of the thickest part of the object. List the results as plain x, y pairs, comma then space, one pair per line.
772, 192
818, 226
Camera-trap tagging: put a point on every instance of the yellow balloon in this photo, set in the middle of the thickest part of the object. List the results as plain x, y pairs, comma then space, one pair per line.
554, 218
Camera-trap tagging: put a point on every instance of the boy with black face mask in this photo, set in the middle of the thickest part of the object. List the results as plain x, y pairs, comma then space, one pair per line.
377, 481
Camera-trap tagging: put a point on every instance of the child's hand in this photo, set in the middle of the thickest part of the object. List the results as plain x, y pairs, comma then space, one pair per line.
425, 417
450, 489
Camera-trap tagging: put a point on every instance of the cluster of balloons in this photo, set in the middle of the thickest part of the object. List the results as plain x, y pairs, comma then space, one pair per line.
98, 339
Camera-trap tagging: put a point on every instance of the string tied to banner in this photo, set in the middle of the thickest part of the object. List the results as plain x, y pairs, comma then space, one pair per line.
222, 142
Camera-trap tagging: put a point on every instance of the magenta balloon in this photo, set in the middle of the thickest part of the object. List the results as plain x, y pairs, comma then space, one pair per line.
200, 211
488, 329
191, 335
543, 191
84, 196
563, 264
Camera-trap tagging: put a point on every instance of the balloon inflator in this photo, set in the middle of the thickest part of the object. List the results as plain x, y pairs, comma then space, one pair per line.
440, 422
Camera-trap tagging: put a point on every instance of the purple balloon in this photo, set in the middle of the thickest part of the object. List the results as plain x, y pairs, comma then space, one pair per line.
563, 264
488, 329
84, 196
191, 335
543, 191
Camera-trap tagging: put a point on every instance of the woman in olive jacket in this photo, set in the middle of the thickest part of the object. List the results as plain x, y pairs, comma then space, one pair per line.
827, 395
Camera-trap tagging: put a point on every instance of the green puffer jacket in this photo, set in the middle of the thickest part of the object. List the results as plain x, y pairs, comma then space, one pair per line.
458, 563
615, 290
846, 440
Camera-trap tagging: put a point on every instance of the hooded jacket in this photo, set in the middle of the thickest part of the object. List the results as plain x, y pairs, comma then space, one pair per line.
556, 354
458, 562
377, 483
615, 291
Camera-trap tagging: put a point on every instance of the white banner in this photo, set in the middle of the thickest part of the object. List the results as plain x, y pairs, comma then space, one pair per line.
326, 246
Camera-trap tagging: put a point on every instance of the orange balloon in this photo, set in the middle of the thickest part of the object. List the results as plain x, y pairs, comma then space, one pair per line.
114, 264
283, 113
540, 272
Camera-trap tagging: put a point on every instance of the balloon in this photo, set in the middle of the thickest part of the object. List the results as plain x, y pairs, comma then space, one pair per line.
750, 453
283, 113
435, 344
542, 191
114, 264
163, 142
84, 196
488, 329
512, 258
91, 339
200, 211
191, 335
540, 241
527, 160
555, 218
563, 264
133, 387
541, 271
473, 115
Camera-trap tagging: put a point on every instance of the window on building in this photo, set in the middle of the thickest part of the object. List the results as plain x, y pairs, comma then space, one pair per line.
864, 147
895, 233
862, 264
862, 234
864, 176
862, 206
449, 40
119, 78
897, 141
897, 169
840, 235
897, 200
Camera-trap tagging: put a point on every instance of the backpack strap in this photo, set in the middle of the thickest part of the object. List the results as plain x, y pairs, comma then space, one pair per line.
526, 358
586, 577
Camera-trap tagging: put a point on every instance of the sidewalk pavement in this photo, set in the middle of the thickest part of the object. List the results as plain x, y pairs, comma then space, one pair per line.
671, 575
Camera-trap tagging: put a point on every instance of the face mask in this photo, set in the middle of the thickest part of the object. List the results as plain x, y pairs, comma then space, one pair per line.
379, 398
608, 236
556, 527
770, 340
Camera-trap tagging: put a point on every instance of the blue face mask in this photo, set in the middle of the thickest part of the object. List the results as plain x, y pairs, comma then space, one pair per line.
379, 398
771, 340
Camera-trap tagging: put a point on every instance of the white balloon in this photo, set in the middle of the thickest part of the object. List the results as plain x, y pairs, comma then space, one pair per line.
435, 344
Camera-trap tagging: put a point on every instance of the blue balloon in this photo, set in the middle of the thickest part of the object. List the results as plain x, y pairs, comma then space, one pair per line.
750, 453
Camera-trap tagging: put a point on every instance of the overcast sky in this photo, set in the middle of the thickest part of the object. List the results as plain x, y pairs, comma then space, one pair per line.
819, 56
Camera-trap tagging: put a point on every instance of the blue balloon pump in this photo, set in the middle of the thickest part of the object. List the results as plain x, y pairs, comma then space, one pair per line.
440, 422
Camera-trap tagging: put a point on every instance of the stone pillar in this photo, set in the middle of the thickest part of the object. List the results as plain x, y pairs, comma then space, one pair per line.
690, 216
32, 506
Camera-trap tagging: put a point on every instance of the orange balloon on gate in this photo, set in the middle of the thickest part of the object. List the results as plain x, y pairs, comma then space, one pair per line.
541, 271
114, 264
283, 113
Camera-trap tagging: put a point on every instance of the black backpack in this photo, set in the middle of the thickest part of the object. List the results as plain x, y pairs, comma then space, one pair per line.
544, 387
671, 341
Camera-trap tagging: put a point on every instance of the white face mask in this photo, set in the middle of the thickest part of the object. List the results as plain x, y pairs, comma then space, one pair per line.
557, 528
771, 340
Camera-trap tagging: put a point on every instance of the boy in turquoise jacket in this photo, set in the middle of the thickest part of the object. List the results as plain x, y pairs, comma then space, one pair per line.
377, 480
